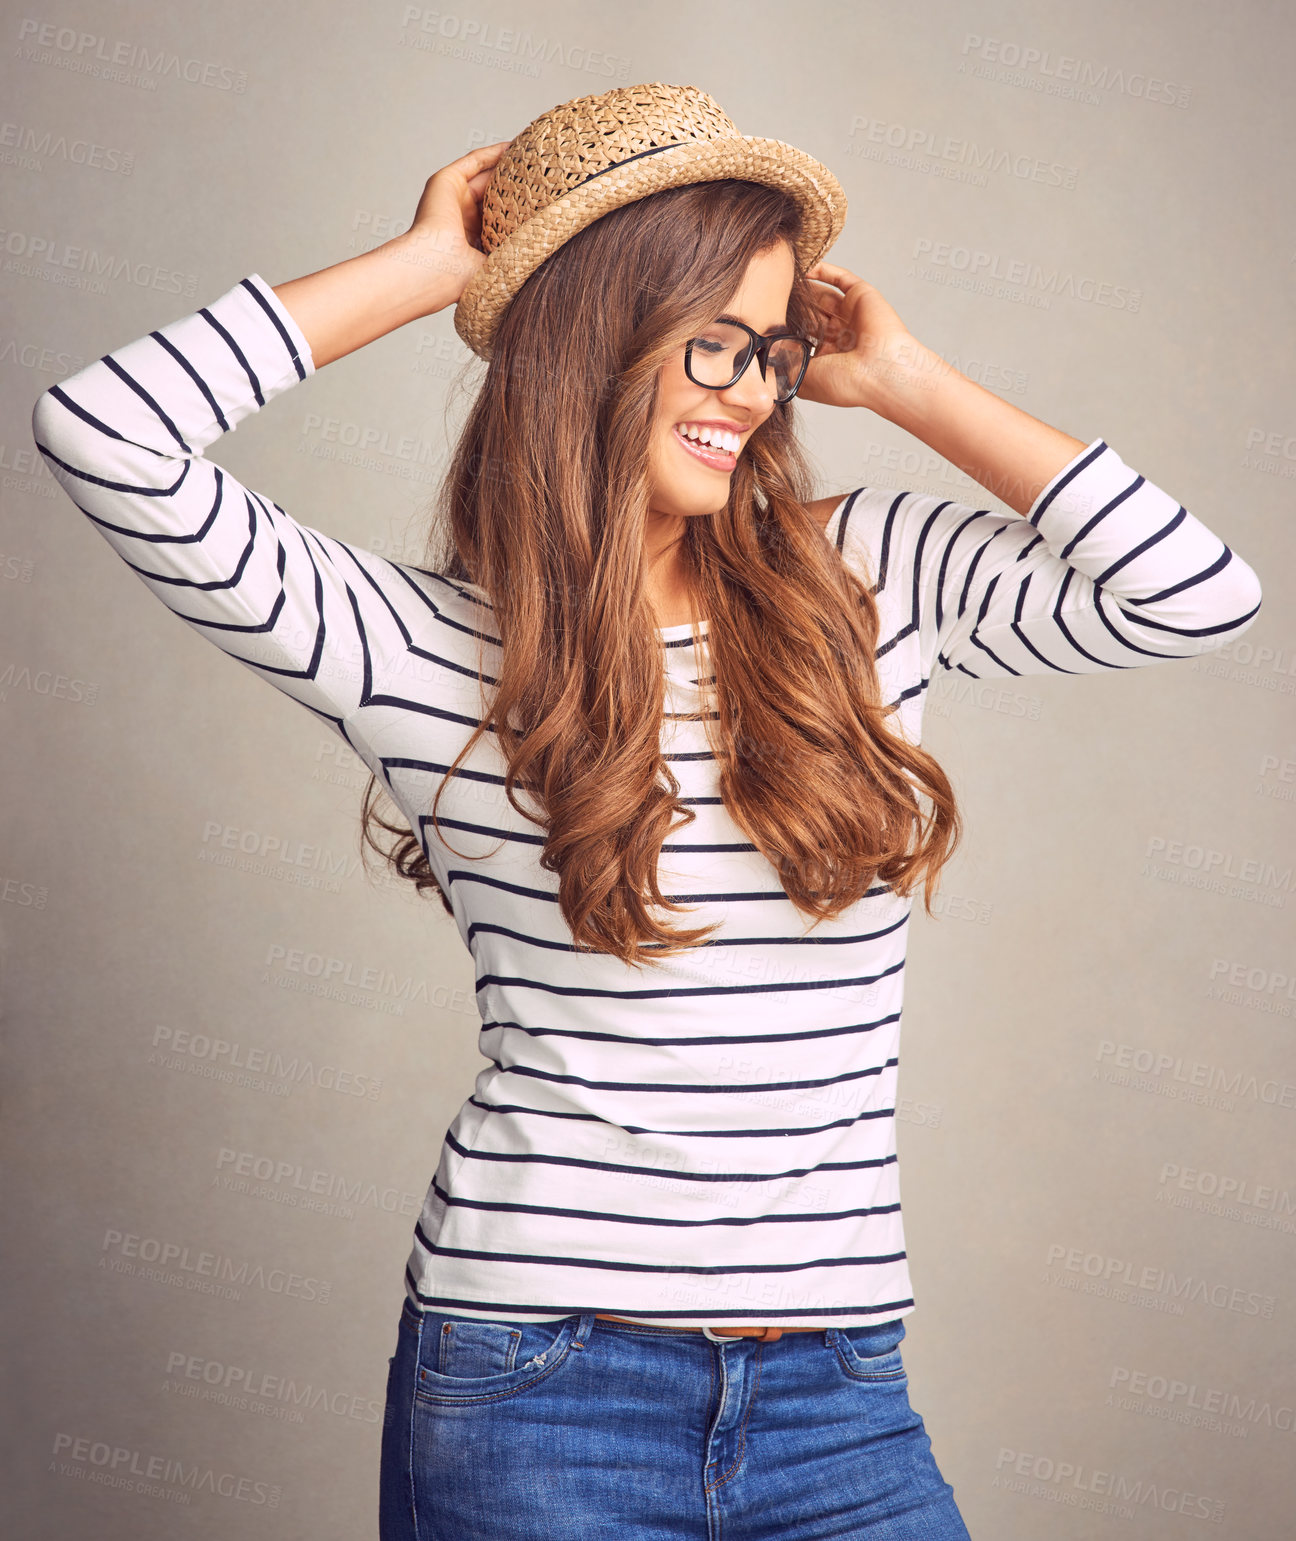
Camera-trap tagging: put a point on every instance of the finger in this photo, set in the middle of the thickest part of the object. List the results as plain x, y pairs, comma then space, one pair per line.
484, 158
819, 275
835, 274
484, 155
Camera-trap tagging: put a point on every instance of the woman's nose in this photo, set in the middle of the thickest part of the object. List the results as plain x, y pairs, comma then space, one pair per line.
752, 391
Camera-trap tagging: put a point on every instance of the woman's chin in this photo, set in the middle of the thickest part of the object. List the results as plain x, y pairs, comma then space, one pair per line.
691, 497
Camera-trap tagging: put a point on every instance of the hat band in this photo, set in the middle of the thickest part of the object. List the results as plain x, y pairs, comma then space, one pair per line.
637, 156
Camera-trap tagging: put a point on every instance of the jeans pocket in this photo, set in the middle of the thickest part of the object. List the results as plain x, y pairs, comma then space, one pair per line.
870, 1353
462, 1360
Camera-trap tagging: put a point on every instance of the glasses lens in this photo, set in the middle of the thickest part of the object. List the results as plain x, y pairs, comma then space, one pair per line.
723, 351
719, 353
787, 358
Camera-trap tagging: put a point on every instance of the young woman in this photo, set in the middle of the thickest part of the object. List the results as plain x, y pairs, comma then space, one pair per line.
658, 1285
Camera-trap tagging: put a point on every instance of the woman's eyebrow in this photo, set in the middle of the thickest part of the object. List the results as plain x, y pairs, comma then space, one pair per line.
775, 331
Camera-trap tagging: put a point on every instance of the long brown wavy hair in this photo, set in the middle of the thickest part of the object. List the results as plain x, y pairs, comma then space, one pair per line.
544, 508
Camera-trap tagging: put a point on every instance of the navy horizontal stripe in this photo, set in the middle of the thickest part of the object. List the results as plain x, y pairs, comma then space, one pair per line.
532, 1157
517, 1110
812, 1217
659, 1040
549, 1260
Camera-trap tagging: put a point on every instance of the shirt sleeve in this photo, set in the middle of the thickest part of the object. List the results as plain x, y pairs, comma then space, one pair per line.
1106, 571
125, 438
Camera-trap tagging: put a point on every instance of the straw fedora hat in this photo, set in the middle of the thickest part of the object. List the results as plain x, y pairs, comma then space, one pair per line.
589, 156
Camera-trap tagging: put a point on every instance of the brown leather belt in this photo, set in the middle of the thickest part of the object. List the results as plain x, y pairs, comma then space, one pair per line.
765, 1334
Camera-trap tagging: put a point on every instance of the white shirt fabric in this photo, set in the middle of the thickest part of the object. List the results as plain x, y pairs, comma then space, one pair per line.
709, 1143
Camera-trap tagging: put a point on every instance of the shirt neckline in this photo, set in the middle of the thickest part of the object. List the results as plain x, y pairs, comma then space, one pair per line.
681, 632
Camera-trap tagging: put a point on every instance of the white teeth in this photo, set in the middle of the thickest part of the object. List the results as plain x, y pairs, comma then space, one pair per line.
717, 438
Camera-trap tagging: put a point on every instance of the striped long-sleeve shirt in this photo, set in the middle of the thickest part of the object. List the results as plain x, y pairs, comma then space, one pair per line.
712, 1142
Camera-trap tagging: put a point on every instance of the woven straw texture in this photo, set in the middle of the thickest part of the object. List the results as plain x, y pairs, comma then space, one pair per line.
573, 164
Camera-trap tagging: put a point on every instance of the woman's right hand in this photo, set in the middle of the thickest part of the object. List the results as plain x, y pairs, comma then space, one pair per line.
445, 235
344, 307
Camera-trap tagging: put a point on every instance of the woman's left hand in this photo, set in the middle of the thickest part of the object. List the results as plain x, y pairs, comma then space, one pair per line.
867, 350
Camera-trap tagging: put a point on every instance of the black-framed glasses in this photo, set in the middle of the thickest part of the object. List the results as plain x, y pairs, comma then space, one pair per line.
716, 358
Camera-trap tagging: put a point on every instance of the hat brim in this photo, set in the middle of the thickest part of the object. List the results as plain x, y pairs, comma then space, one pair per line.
819, 194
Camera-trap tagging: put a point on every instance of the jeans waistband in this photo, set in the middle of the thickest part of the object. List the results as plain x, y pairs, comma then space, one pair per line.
718, 1334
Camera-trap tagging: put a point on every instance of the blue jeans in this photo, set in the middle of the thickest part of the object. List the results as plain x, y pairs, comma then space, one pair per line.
585, 1430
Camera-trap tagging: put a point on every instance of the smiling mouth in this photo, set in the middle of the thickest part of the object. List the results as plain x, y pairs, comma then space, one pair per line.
717, 459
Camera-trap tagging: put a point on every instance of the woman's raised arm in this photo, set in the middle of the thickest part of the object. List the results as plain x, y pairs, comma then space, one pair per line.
871, 359
343, 307
126, 439
1103, 570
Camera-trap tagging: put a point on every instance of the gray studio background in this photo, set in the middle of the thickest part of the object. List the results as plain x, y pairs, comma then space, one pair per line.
1099, 1085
